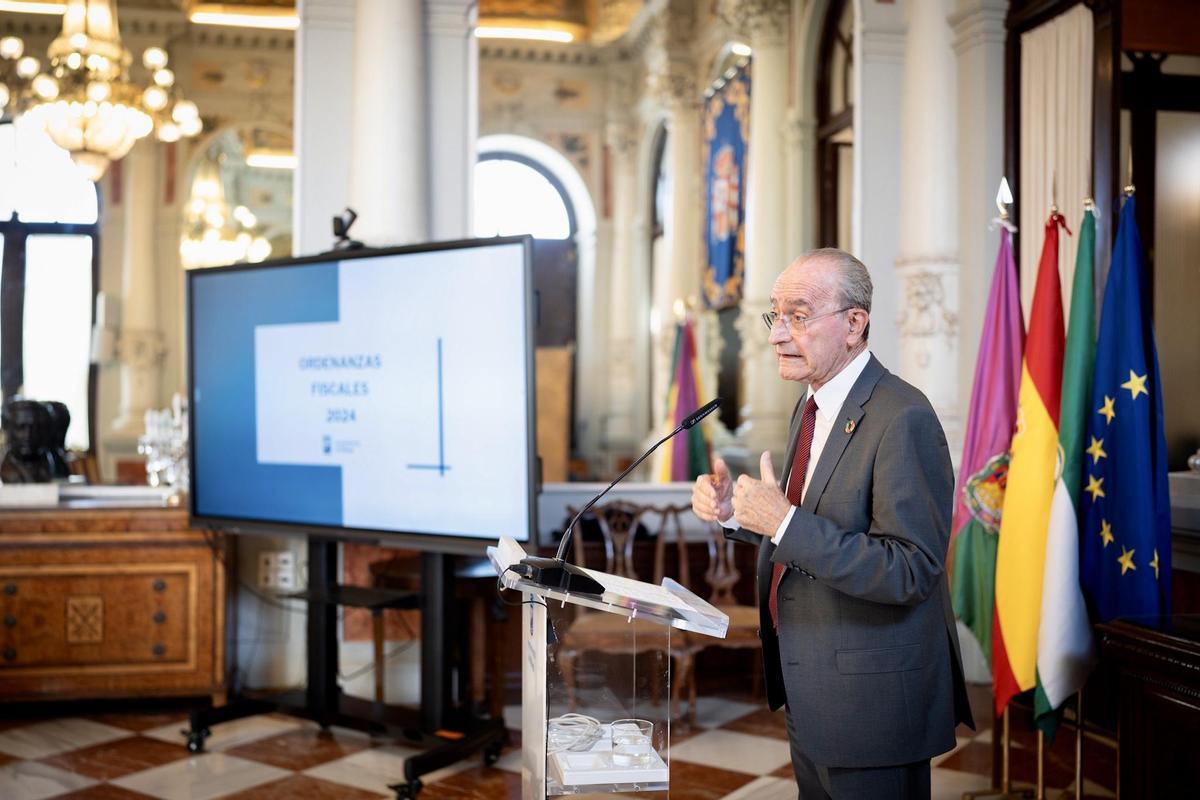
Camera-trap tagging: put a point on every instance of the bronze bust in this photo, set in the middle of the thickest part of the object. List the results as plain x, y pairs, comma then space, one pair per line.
28, 459
56, 441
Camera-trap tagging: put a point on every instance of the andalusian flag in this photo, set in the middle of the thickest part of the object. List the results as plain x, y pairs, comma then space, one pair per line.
1126, 537
686, 457
1064, 653
981, 478
1032, 474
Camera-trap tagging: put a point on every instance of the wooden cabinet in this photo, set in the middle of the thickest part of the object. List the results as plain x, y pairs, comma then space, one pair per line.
1158, 663
110, 603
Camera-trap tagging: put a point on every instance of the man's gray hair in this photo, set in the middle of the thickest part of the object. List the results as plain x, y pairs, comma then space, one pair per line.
854, 281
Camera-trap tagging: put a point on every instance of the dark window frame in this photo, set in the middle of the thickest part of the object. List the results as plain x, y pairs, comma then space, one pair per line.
829, 125
13, 266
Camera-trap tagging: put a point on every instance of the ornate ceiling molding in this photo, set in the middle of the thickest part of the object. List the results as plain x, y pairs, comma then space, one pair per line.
531, 52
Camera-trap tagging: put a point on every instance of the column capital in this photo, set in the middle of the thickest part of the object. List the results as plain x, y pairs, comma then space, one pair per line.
139, 348
674, 84
336, 14
766, 22
929, 312
977, 22
670, 70
621, 138
451, 17
799, 130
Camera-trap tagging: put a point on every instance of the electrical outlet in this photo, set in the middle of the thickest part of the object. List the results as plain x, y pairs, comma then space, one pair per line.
277, 570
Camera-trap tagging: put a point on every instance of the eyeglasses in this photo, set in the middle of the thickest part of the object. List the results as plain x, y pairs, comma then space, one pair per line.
796, 321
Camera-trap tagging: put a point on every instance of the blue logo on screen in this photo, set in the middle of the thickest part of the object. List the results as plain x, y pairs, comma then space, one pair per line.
326, 444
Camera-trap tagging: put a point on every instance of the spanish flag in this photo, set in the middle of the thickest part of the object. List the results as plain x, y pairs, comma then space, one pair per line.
1032, 474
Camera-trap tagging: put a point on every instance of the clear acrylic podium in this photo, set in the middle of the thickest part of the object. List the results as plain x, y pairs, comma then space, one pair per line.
596, 679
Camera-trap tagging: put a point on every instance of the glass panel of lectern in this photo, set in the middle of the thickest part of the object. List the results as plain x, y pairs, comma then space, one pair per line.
598, 689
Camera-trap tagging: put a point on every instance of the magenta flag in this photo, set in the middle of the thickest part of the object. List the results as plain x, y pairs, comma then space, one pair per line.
983, 472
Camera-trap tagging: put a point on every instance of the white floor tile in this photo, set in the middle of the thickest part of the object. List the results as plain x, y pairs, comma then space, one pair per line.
738, 752
57, 736
949, 784
765, 788
373, 770
201, 777
29, 780
229, 734
713, 712
510, 761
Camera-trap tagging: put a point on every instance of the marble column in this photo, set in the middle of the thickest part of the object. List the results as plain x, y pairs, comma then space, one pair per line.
875, 229
389, 175
800, 148
620, 435
768, 401
453, 95
928, 260
140, 347
323, 107
979, 34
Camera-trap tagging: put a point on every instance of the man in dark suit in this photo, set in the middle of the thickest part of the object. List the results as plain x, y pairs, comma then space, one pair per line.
859, 639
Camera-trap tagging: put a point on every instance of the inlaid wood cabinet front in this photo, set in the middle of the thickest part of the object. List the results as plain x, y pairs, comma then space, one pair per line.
112, 603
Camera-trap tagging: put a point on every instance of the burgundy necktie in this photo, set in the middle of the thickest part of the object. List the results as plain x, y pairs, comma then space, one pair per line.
795, 490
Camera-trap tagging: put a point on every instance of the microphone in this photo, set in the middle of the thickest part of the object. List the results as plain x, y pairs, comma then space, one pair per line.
700, 413
556, 571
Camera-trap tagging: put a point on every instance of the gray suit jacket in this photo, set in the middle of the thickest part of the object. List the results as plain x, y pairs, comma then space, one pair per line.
867, 655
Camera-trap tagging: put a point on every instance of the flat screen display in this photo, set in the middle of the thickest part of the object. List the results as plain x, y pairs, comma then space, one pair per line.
376, 392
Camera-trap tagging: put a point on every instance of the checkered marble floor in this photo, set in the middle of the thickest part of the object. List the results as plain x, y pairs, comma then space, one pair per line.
736, 751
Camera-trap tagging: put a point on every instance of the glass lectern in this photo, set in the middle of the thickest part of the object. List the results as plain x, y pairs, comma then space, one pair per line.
596, 679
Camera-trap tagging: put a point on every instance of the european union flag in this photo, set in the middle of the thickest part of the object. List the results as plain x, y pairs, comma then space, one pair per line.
1126, 535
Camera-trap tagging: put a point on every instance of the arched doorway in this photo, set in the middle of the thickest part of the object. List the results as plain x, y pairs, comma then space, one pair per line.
525, 186
515, 195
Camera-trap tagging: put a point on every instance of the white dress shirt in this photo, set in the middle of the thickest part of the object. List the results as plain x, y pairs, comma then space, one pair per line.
830, 399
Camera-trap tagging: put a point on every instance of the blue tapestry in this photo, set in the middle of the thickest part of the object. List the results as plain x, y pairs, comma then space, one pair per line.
726, 135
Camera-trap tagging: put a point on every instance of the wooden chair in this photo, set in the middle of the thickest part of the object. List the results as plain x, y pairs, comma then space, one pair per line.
593, 631
721, 575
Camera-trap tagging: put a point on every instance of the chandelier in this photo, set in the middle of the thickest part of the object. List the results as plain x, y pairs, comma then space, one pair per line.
214, 233
89, 106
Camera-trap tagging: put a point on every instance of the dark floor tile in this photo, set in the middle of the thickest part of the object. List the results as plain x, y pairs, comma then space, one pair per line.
477, 783
116, 759
6, 759
785, 771
303, 787
982, 702
763, 722
299, 749
141, 722
973, 757
702, 782
103, 791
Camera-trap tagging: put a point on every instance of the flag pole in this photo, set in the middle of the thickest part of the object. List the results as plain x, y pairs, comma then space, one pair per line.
1005, 744
1079, 744
1041, 765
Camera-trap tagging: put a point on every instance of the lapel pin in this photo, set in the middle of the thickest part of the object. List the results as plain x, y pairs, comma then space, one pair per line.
849, 426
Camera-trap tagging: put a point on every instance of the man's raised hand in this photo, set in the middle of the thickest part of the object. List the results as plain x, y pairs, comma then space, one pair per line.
759, 504
712, 496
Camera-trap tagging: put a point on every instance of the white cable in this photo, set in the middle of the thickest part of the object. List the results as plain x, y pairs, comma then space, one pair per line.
571, 732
